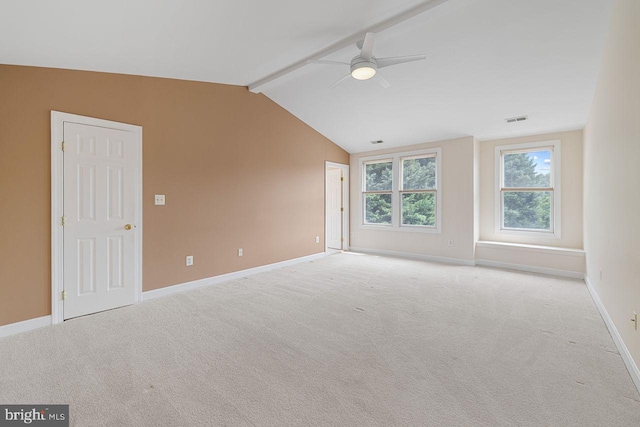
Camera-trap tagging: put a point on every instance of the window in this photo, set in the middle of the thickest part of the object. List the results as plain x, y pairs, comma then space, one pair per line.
378, 185
400, 191
528, 188
418, 193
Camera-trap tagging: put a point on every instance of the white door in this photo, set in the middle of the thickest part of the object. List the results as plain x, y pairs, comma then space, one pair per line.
100, 172
334, 208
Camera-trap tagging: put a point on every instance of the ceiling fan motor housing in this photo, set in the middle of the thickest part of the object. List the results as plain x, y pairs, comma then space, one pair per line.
362, 69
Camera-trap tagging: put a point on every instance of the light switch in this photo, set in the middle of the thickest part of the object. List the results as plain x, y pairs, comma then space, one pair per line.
159, 200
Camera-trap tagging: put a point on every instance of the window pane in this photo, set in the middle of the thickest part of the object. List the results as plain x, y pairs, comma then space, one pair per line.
377, 208
419, 174
419, 209
527, 209
378, 176
527, 170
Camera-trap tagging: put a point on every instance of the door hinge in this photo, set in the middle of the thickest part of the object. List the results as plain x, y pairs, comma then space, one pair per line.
64, 295
62, 145
341, 239
341, 178
62, 220
341, 209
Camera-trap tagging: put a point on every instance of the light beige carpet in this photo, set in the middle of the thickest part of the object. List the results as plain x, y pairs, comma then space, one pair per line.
349, 340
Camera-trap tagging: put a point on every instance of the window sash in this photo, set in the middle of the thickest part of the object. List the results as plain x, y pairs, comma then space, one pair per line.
419, 156
524, 151
416, 157
378, 192
524, 189
435, 208
529, 190
364, 209
364, 174
417, 191
527, 150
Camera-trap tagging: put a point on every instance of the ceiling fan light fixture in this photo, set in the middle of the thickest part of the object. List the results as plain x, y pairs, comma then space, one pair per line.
363, 71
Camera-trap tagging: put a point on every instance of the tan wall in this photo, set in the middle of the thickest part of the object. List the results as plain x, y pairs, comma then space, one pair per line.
612, 175
237, 171
571, 191
457, 206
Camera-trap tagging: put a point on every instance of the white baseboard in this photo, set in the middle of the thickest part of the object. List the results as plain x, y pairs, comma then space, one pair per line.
531, 269
440, 259
24, 326
182, 287
617, 339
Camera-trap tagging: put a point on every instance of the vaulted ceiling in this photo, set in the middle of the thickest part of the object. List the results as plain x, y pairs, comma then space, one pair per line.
486, 59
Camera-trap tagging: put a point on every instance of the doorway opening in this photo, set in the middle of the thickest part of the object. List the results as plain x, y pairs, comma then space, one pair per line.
96, 215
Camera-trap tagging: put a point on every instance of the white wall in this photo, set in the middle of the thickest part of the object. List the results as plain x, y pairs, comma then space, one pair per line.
612, 176
457, 207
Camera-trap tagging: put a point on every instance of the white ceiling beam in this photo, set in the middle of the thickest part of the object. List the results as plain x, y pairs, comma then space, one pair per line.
275, 78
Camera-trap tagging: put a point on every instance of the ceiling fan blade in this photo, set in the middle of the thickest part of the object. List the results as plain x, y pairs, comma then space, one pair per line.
340, 81
367, 47
387, 62
322, 61
379, 78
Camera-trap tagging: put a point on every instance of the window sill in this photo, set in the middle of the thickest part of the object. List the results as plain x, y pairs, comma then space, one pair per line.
530, 233
405, 229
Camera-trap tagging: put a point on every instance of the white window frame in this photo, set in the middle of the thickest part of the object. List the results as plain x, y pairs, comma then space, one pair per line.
556, 161
363, 187
396, 205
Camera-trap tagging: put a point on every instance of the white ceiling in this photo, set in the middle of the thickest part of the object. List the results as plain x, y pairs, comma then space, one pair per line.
486, 59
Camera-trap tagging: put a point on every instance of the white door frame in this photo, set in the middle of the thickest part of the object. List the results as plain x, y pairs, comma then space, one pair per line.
345, 204
57, 186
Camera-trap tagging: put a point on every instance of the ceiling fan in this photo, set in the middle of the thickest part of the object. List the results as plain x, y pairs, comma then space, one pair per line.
365, 66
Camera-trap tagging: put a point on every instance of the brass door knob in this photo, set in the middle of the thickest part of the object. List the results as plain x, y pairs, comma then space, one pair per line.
127, 227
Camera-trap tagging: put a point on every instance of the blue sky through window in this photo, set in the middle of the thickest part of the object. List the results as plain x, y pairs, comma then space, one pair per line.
542, 159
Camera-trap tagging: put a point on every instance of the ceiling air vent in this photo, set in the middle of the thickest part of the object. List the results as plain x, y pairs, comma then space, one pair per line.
379, 141
516, 119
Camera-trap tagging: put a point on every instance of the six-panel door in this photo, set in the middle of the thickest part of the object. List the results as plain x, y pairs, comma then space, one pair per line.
99, 210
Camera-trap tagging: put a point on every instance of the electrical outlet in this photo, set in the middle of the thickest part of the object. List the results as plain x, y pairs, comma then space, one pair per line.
159, 200
450, 243
189, 260
240, 252
317, 239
